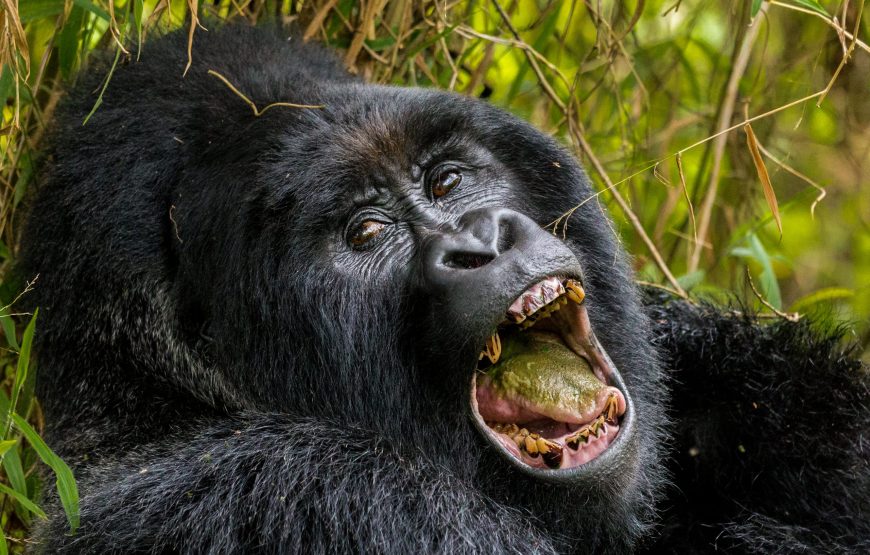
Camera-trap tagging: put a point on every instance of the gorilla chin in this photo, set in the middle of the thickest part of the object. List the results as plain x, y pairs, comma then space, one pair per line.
546, 394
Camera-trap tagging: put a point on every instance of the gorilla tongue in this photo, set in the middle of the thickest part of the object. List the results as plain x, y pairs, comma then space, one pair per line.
538, 378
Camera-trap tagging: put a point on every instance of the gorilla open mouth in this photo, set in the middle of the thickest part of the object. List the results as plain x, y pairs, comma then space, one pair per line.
543, 391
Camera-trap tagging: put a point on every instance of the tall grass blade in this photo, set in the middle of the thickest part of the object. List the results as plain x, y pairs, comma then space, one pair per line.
66, 483
31, 506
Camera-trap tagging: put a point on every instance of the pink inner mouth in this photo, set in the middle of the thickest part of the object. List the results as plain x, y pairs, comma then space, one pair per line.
556, 436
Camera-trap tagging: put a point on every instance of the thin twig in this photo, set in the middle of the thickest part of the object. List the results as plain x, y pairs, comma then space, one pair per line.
725, 115
587, 151
836, 26
822, 192
791, 317
253, 106
846, 55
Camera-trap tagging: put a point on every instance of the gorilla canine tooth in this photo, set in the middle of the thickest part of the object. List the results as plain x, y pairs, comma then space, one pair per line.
575, 291
493, 348
610, 409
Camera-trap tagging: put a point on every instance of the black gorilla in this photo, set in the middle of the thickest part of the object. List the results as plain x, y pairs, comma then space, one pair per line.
275, 333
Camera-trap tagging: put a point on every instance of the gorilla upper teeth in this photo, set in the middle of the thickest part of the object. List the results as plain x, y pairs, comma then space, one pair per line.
542, 299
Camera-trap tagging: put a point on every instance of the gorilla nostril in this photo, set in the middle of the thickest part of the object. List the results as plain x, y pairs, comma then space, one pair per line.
506, 237
467, 260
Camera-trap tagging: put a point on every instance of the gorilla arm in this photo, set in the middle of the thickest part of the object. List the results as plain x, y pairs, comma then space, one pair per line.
285, 486
771, 447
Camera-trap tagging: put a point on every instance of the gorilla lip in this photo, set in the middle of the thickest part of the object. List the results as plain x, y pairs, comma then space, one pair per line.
545, 434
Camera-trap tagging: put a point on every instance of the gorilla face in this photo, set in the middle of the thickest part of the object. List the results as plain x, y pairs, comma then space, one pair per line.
410, 286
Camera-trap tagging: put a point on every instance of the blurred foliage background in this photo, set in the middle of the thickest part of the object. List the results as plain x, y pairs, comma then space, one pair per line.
730, 140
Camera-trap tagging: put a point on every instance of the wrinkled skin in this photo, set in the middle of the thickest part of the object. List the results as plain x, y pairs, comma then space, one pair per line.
249, 375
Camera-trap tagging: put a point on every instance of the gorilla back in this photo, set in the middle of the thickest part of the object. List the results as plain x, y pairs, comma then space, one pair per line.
338, 326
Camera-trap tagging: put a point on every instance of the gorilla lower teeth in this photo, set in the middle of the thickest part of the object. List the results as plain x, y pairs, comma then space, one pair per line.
531, 446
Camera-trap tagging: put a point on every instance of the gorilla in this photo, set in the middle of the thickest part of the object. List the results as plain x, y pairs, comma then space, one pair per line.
337, 323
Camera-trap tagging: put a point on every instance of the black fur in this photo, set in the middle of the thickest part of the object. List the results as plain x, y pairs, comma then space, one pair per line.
225, 377
771, 435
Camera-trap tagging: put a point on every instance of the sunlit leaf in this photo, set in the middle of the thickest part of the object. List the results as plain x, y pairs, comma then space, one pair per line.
811, 5
821, 296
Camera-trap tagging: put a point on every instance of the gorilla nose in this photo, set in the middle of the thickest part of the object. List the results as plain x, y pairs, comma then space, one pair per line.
479, 238
491, 247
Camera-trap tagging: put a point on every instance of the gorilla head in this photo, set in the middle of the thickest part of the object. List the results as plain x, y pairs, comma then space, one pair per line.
379, 262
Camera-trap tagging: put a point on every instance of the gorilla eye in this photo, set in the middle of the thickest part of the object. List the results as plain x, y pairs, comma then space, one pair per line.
366, 231
445, 180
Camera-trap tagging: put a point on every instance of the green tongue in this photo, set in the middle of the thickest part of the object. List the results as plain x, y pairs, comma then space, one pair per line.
541, 370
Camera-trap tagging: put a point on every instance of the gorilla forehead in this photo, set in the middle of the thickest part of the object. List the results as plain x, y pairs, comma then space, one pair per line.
367, 138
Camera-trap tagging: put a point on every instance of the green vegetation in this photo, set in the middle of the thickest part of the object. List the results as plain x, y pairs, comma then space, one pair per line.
729, 140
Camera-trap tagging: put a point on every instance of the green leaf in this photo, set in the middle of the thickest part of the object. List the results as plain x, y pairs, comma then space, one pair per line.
30, 505
381, 43
690, 280
105, 86
14, 470
756, 5
15, 474
812, 5
89, 6
25, 172
769, 286
8, 325
4, 549
822, 295
7, 444
68, 44
7, 86
138, 7
23, 361
31, 10
66, 483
